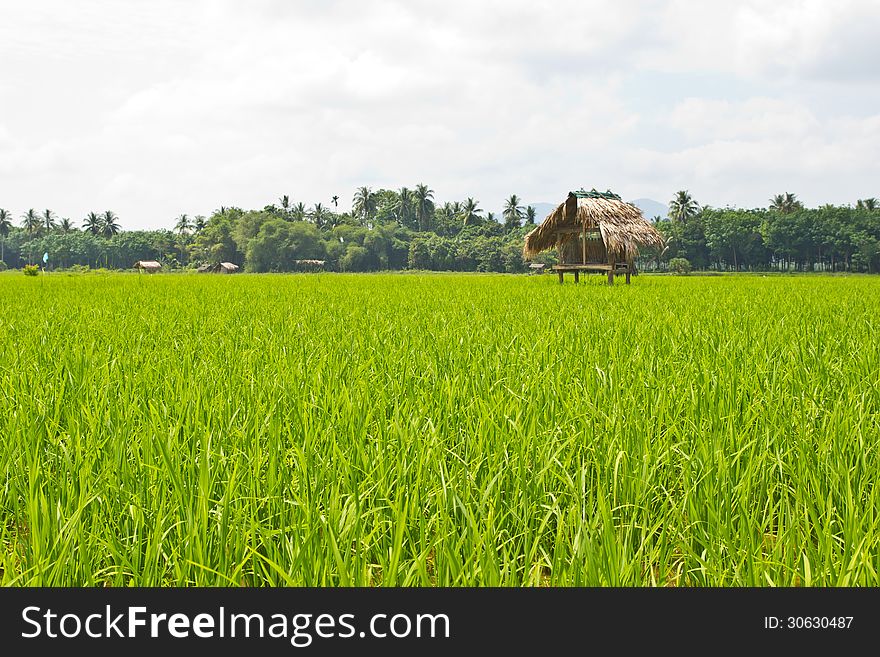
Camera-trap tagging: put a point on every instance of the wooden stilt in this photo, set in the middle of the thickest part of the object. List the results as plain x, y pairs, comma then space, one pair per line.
627, 276
576, 276
610, 277
560, 277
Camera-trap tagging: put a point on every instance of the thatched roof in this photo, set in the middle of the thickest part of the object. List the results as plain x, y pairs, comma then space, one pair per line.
228, 267
147, 264
622, 226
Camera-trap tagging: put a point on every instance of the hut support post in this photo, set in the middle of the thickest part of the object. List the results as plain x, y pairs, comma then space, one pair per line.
627, 276
584, 242
560, 276
576, 276
611, 271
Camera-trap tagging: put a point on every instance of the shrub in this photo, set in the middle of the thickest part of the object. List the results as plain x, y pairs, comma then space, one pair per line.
31, 270
679, 265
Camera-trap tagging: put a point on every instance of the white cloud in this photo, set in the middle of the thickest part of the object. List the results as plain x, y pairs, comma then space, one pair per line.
171, 107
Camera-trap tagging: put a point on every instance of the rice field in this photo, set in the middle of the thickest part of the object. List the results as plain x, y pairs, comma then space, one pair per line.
442, 430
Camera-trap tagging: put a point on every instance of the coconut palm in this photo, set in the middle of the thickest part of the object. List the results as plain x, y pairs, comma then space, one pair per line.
530, 215
470, 212
869, 204
48, 220
285, 202
404, 206
364, 205
5, 227
299, 212
513, 212
785, 203
66, 225
683, 207
92, 223
183, 224
31, 222
199, 223
319, 216
424, 205
109, 224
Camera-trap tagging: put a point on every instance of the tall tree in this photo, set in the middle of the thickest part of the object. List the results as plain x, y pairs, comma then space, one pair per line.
319, 215
869, 204
66, 225
48, 220
424, 204
199, 223
404, 207
31, 222
285, 202
110, 224
299, 212
5, 227
683, 207
530, 215
183, 224
513, 212
786, 203
470, 212
364, 205
92, 223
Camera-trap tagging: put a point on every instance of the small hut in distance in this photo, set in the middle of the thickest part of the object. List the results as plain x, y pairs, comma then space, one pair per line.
219, 268
149, 266
593, 232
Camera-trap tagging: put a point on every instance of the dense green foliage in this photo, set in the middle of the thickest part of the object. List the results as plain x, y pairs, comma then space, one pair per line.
391, 230
786, 236
439, 430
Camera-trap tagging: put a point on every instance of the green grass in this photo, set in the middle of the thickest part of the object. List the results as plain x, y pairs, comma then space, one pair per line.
439, 430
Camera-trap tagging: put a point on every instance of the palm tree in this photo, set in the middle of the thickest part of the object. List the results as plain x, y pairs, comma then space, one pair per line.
490, 217
199, 223
285, 202
869, 204
92, 223
785, 203
404, 206
183, 224
299, 212
319, 215
424, 202
66, 225
5, 227
530, 215
31, 222
48, 220
364, 205
109, 224
513, 212
470, 212
683, 207
335, 200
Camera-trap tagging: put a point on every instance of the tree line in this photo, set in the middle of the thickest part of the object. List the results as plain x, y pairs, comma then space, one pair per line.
785, 236
407, 229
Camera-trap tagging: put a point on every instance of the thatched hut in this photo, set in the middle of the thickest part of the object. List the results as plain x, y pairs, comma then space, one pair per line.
149, 266
218, 268
593, 232
308, 265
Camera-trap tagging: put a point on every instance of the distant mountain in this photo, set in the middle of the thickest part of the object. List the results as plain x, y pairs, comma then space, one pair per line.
650, 208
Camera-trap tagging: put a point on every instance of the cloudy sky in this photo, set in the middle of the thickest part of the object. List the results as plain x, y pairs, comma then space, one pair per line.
156, 108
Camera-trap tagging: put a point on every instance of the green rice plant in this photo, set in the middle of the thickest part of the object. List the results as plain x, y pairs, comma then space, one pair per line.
439, 429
